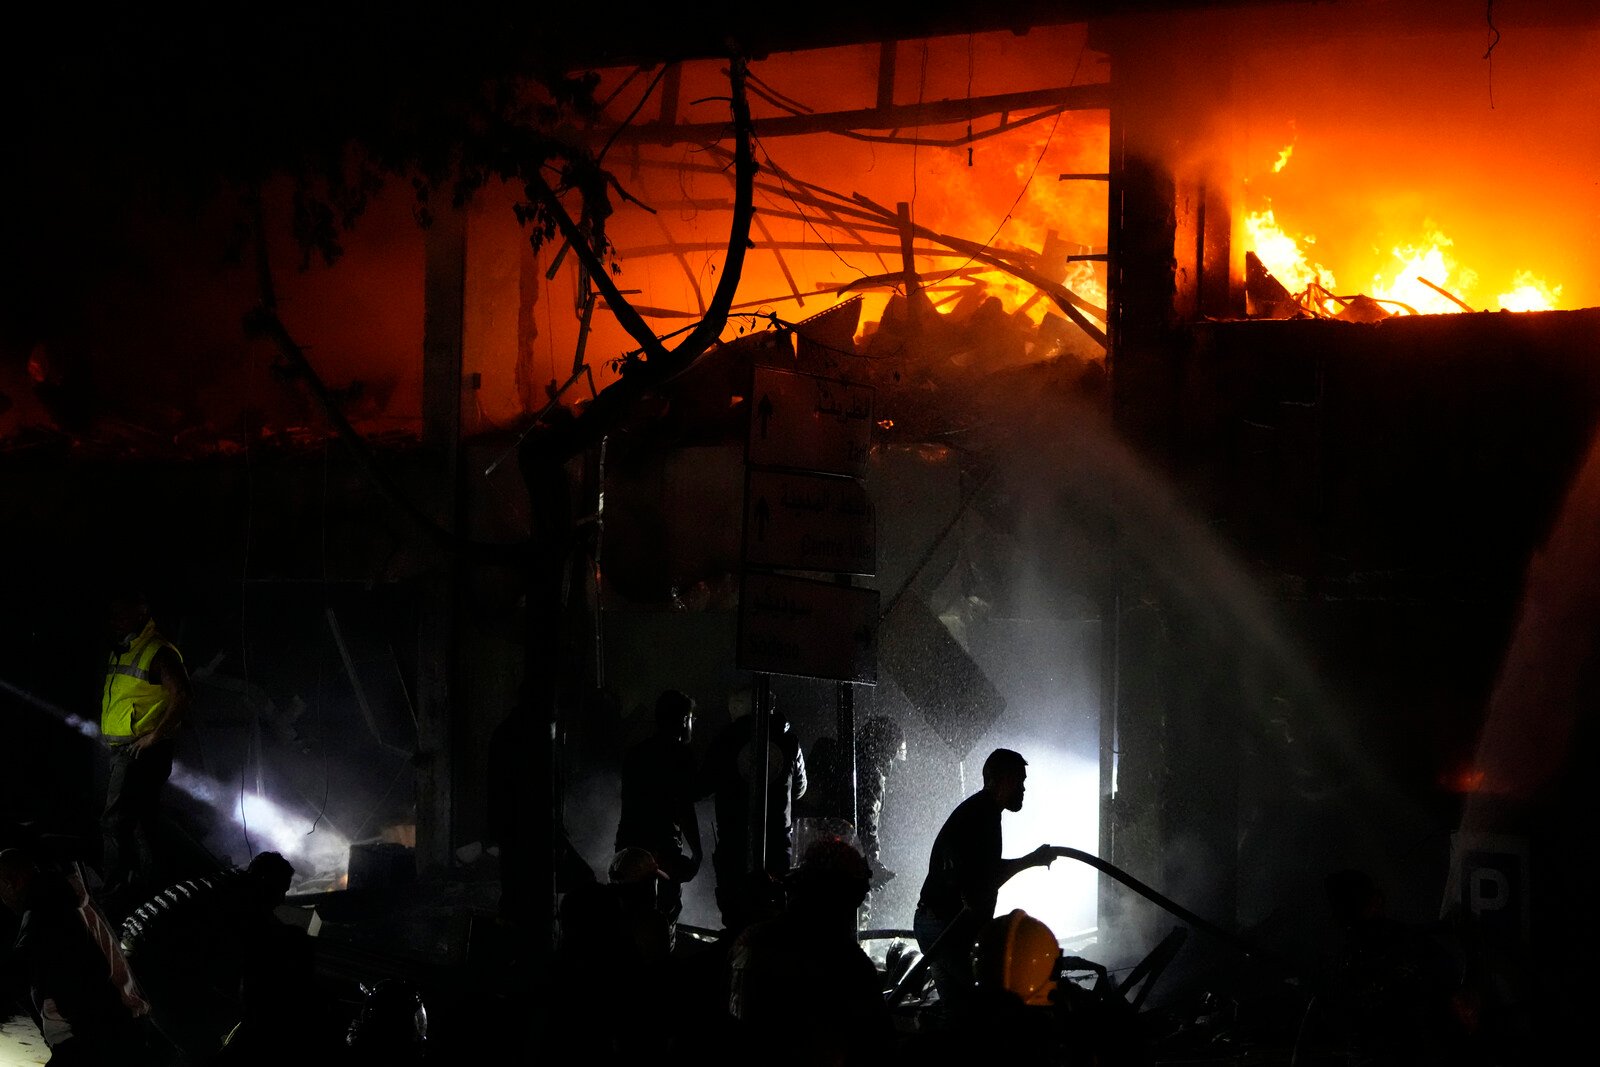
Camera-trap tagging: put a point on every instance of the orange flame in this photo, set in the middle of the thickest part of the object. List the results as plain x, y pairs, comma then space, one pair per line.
1530, 294
1427, 260
1399, 279
1282, 255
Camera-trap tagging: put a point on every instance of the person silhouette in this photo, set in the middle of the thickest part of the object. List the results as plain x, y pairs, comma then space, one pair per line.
965, 873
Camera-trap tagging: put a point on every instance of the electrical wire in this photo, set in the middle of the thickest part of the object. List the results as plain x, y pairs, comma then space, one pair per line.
953, 142
778, 173
1024, 190
922, 88
648, 90
1493, 38
969, 99
632, 74
775, 97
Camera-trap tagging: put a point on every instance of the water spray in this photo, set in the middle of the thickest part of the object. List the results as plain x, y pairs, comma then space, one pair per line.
267, 819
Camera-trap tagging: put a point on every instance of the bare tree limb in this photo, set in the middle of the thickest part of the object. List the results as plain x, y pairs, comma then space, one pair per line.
659, 362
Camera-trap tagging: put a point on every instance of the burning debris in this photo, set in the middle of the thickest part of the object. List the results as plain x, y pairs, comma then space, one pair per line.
1267, 298
1418, 274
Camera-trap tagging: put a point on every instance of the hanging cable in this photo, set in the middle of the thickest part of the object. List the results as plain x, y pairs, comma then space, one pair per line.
969, 100
649, 89
922, 88
778, 173
1493, 38
1023, 191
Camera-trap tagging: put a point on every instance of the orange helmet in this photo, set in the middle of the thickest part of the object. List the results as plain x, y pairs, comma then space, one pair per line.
1017, 953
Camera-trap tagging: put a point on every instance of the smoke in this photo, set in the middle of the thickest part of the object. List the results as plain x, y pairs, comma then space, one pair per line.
316, 855
1082, 516
1534, 708
1062, 807
320, 855
76, 722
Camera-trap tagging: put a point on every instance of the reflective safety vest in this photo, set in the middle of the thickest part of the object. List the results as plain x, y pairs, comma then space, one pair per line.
134, 703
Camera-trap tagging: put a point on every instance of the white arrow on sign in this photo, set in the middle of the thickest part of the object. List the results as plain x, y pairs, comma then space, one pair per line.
809, 522
807, 422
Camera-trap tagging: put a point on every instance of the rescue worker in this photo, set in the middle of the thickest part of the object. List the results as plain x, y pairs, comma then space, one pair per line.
1017, 953
391, 1029
965, 873
143, 702
1021, 1001
640, 886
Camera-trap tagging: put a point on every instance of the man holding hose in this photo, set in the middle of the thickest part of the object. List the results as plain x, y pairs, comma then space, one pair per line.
965, 873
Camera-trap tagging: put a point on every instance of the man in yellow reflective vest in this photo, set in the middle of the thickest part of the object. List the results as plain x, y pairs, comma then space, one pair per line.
145, 696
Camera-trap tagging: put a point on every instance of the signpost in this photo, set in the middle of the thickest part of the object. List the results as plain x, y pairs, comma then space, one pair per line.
814, 629
1489, 881
809, 522
803, 422
807, 510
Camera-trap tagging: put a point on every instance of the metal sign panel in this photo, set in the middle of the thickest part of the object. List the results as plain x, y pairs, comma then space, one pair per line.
937, 675
1489, 881
809, 522
804, 422
807, 628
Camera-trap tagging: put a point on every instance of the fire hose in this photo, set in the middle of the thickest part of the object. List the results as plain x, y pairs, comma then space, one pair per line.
913, 978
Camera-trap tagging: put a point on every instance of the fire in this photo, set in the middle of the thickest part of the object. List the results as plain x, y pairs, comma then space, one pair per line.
981, 202
1427, 261
1530, 294
1422, 277
1462, 779
1282, 255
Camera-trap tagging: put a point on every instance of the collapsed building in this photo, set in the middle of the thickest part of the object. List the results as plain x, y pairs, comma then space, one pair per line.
1269, 574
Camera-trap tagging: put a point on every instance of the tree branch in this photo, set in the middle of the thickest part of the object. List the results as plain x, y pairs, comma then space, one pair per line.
659, 363
580, 244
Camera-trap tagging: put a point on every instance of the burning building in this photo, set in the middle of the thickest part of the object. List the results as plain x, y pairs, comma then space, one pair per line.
1231, 407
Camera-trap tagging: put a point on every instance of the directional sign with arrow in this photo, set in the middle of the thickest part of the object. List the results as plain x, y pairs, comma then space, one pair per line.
809, 522
807, 628
810, 423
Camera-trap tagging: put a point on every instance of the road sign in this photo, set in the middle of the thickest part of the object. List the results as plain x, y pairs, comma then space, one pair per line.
805, 422
809, 522
1489, 881
807, 628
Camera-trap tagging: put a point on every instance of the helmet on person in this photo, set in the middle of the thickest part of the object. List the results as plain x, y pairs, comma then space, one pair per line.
1017, 953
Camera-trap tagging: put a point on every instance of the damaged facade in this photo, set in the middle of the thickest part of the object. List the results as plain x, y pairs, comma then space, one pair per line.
1269, 575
